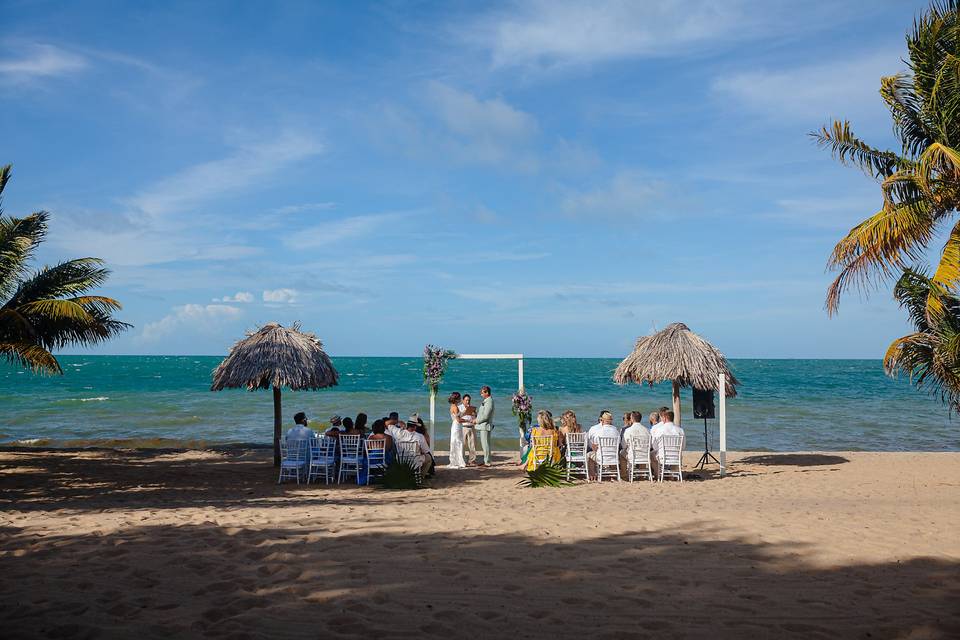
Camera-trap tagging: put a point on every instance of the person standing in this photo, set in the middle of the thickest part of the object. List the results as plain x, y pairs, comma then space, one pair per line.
468, 415
484, 423
456, 433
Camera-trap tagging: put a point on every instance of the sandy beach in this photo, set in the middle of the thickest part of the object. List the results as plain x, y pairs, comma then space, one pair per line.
204, 543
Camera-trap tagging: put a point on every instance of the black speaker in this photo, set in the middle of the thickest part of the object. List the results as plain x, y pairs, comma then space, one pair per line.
703, 404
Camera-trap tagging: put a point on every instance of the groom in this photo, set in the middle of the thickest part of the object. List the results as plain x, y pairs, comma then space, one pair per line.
484, 423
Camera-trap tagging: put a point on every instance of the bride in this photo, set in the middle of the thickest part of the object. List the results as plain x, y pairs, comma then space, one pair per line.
456, 433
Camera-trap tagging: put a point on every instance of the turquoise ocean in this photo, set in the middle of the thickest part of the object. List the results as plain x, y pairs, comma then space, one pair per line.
783, 405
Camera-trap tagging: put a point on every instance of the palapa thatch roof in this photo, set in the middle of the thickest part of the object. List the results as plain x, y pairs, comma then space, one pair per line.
276, 356
676, 353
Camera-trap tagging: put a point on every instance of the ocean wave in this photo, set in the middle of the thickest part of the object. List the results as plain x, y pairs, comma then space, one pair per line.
94, 399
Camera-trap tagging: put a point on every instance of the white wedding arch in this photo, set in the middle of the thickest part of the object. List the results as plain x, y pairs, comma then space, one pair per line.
476, 356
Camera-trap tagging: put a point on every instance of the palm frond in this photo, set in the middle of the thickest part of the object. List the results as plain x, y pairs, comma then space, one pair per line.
548, 474
30, 356
19, 238
852, 151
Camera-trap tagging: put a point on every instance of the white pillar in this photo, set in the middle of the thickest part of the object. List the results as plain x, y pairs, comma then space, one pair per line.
520, 372
433, 409
722, 387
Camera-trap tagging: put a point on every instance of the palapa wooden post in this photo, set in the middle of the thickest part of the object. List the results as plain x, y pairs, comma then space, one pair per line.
722, 386
277, 426
676, 403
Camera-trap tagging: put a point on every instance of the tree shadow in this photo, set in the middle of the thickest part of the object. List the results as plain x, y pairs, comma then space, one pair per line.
90, 479
308, 581
794, 460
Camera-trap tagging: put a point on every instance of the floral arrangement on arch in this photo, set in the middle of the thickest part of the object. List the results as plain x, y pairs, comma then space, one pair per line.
523, 409
435, 365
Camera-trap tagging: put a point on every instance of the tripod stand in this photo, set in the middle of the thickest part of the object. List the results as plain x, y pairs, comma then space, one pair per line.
707, 456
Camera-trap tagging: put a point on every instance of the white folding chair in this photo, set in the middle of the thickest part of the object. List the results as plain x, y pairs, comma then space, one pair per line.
376, 457
577, 455
409, 452
638, 457
323, 457
542, 451
293, 459
608, 457
350, 458
670, 454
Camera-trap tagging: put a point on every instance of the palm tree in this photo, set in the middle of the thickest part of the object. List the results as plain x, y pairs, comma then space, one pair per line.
929, 355
51, 308
920, 184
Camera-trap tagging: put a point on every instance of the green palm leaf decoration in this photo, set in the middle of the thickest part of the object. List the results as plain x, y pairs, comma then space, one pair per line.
400, 474
920, 183
52, 307
549, 474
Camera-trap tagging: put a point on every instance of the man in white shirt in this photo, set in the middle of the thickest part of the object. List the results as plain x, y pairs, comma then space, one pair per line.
392, 426
300, 432
663, 428
424, 455
604, 429
634, 430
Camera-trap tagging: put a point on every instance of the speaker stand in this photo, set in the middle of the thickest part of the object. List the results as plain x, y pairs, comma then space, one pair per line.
707, 456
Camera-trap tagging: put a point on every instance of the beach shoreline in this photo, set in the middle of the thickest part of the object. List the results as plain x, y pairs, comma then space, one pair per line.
205, 543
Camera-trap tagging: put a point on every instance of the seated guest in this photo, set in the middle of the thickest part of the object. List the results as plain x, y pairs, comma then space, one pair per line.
627, 422
663, 428
604, 429
300, 430
636, 428
334, 430
653, 418
424, 456
568, 424
380, 433
421, 428
392, 423
360, 424
545, 427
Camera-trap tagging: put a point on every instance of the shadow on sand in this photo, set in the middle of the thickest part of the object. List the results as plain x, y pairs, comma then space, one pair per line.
794, 460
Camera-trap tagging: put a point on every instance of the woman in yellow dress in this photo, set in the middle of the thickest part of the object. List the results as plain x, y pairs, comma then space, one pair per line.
545, 427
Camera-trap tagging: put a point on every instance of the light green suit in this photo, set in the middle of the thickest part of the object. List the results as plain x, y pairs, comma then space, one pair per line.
484, 425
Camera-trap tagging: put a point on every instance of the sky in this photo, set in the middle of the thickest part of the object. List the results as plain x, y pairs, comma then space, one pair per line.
545, 177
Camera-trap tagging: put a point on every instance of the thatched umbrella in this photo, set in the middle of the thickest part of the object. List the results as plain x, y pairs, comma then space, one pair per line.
679, 355
276, 356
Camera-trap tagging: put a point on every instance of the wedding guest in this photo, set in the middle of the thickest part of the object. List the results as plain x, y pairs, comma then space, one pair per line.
421, 428
484, 423
379, 430
360, 423
653, 418
300, 430
627, 421
545, 427
604, 429
568, 425
664, 428
636, 428
393, 426
468, 416
456, 432
349, 429
424, 456
334, 430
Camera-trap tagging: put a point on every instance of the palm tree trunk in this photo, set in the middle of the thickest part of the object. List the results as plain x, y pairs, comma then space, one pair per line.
676, 403
277, 420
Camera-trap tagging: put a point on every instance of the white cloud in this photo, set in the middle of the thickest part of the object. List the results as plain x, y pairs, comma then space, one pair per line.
159, 223
466, 115
239, 296
249, 164
335, 231
280, 296
813, 93
306, 206
557, 32
628, 194
463, 128
195, 318
41, 61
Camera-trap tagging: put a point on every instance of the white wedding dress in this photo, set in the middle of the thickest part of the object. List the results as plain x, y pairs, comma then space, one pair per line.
456, 444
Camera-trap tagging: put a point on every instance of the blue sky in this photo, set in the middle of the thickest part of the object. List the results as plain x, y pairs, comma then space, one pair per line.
540, 177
